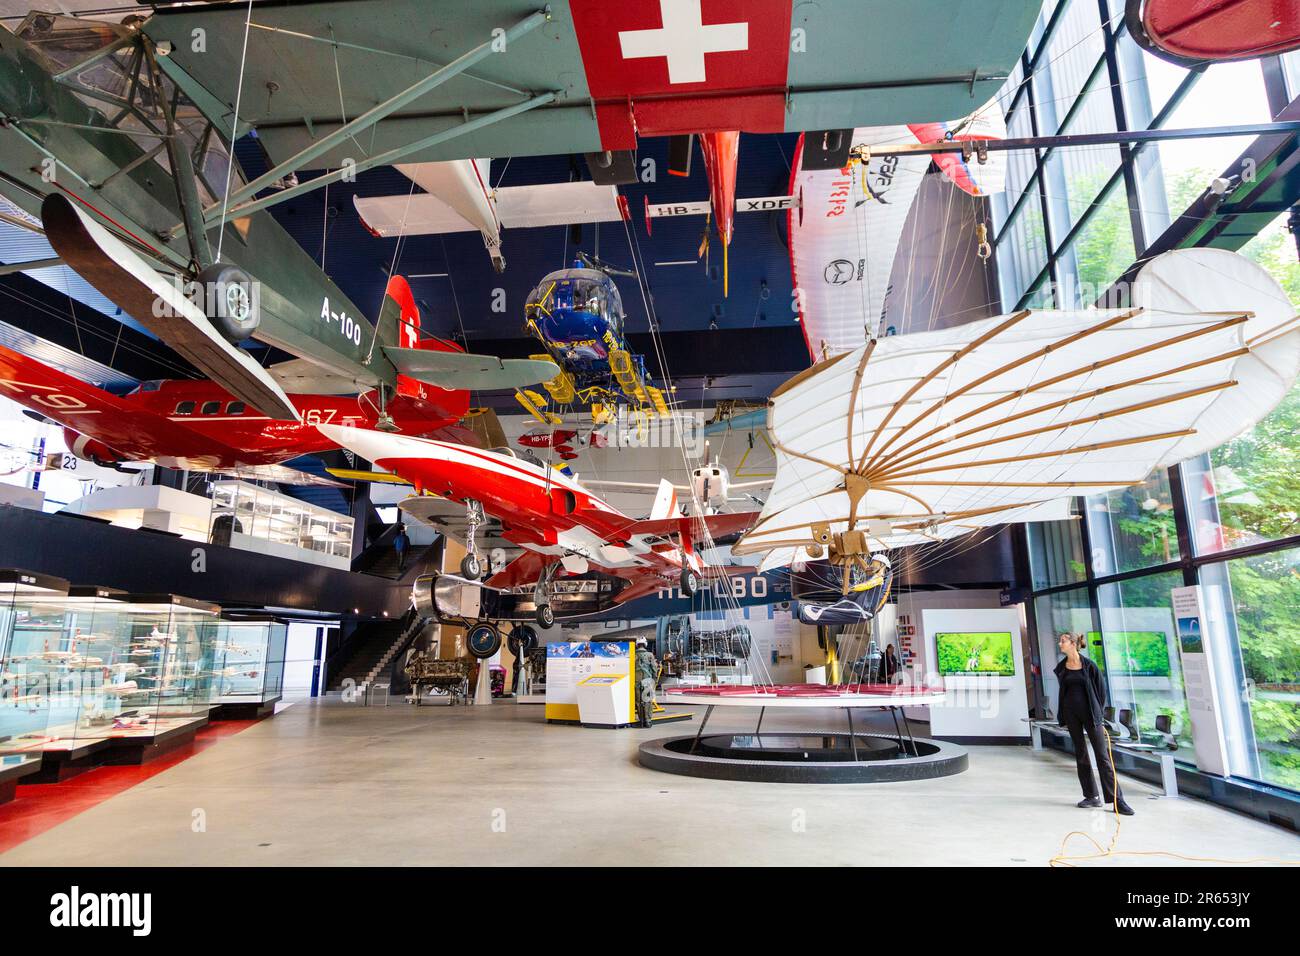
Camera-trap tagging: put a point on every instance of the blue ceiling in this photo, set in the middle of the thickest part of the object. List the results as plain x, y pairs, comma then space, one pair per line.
756, 317
756, 344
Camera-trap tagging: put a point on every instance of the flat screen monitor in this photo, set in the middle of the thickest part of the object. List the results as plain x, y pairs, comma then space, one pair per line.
1132, 653
983, 653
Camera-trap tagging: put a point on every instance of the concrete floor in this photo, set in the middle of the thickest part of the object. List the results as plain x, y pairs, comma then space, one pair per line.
333, 783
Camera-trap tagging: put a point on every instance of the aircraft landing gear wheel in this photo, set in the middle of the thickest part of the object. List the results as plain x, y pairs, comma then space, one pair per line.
230, 301
522, 639
690, 582
471, 567
483, 640
545, 616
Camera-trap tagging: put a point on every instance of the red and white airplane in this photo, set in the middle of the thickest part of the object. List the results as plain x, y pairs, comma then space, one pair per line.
559, 523
196, 425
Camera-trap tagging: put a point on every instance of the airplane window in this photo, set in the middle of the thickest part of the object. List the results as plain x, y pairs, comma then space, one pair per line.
211, 408
235, 408
185, 408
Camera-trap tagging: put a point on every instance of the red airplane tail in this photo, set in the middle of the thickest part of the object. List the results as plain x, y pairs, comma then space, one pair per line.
399, 324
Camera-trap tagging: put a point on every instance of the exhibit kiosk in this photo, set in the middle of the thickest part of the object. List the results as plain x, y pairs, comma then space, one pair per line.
570, 663
605, 700
977, 653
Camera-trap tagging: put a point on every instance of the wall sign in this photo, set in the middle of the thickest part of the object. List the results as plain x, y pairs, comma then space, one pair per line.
1196, 649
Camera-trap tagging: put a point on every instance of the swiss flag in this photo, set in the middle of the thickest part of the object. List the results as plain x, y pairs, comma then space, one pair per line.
663, 67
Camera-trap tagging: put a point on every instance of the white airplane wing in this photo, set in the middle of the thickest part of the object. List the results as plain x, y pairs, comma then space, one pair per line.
282, 474
519, 207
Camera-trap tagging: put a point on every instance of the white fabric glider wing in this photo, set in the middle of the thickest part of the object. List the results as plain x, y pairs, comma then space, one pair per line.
940, 433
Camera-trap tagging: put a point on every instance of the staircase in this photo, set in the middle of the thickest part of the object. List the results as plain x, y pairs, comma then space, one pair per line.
371, 653
380, 557
376, 649
386, 565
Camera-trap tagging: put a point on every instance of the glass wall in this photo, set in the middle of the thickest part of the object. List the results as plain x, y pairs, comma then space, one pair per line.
1062, 612
1139, 656
1104, 204
1070, 223
1133, 528
1056, 554
1260, 596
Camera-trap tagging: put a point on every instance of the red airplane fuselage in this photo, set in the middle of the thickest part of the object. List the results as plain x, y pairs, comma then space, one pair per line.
207, 410
197, 425
548, 514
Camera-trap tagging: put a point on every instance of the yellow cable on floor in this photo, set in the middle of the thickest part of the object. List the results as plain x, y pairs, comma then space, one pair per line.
1061, 859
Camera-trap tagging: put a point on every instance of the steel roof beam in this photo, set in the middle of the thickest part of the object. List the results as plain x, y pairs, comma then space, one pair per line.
383, 159
372, 116
8, 268
1068, 141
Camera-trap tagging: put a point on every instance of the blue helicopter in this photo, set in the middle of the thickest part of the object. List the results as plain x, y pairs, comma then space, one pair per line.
577, 314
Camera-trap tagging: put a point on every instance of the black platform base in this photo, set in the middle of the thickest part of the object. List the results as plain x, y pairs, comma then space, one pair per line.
12, 774
804, 757
60, 765
244, 710
134, 751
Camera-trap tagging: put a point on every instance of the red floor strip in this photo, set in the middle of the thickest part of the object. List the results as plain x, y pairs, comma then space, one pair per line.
41, 806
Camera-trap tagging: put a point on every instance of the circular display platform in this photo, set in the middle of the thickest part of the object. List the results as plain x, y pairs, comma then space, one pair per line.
804, 756
737, 697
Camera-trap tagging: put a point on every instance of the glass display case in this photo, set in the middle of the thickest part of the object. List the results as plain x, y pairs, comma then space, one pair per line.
258, 519
93, 623
36, 660
248, 664
172, 642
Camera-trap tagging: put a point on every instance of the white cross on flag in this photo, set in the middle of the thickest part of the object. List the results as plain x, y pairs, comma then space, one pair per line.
660, 67
683, 40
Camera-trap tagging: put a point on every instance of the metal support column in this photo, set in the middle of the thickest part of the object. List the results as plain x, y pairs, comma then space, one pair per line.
703, 723
383, 159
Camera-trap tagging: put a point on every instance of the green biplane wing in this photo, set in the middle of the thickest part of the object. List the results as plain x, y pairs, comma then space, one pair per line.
585, 75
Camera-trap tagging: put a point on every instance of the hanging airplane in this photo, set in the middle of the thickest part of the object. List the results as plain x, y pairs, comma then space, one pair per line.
117, 135
124, 165
924, 437
197, 425
721, 153
457, 197
577, 315
574, 76
1194, 34
560, 524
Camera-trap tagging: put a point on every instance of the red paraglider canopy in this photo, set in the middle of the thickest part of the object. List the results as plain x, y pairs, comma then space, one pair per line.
1200, 31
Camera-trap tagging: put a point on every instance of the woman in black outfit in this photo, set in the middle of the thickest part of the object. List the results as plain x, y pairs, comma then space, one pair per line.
891, 663
1079, 709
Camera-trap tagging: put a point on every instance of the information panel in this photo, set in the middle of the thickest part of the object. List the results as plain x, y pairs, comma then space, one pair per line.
568, 662
1195, 649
